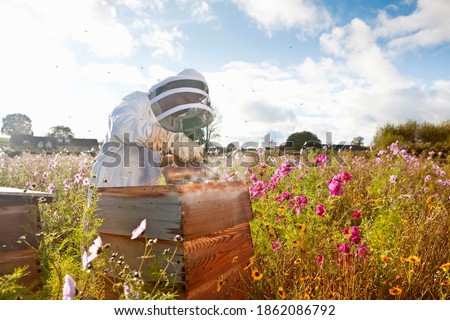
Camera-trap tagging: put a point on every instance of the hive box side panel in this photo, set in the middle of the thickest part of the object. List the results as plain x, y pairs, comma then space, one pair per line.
124, 208
212, 207
16, 221
134, 250
223, 253
20, 258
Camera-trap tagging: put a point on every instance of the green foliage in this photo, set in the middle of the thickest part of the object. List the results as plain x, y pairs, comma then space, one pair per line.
16, 123
298, 139
60, 132
11, 286
358, 141
413, 135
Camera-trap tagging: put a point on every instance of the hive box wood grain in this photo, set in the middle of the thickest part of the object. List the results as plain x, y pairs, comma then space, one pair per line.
212, 219
19, 216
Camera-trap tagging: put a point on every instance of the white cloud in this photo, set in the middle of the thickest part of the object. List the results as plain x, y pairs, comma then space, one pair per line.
41, 76
164, 42
323, 95
201, 10
428, 25
437, 101
92, 23
356, 44
140, 5
272, 15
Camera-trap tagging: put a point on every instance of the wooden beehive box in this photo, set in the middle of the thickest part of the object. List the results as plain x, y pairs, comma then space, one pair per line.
212, 218
19, 216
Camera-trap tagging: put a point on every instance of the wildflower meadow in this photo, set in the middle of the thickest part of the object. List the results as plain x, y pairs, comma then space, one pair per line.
366, 225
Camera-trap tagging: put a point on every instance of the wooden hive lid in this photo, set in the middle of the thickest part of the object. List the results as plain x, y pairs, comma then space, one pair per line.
15, 196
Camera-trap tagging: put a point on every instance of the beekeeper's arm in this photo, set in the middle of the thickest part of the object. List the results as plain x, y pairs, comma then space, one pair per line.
128, 122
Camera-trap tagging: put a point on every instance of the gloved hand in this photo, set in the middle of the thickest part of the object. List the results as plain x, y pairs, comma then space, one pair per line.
161, 140
185, 148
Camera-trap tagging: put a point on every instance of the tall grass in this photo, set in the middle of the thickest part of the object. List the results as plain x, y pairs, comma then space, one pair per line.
373, 225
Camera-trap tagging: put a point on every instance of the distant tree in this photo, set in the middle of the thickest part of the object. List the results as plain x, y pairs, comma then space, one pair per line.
211, 131
16, 123
358, 141
60, 132
298, 139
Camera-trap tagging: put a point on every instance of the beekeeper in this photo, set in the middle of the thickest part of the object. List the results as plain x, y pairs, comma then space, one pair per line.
147, 125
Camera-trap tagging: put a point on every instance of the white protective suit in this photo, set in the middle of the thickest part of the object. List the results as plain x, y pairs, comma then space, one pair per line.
141, 127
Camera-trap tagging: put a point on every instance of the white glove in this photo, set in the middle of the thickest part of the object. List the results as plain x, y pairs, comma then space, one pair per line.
161, 140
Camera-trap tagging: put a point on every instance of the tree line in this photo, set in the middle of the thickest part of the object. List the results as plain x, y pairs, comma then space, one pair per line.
414, 136
417, 137
17, 123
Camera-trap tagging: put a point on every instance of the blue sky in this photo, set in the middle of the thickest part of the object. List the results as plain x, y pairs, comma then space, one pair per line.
274, 66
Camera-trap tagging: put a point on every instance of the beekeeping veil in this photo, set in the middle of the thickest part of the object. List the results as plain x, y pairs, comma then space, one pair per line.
181, 103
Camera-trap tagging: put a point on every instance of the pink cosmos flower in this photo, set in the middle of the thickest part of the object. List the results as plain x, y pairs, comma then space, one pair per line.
336, 177
286, 195
344, 248
52, 164
67, 185
320, 210
355, 230
363, 251
335, 188
321, 159
357, 214
345, 176
230, 177
139, 230
51, 188
258, 189
273, 181
93, 253
355, 237
285, 168
95, 247
393, 178
69, 289
85, 182
298, 202
320, 260
78, 178
276, 245
126, 291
